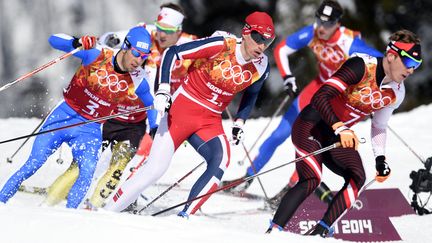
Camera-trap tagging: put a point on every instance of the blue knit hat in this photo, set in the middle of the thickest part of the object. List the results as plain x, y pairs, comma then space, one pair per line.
139, 38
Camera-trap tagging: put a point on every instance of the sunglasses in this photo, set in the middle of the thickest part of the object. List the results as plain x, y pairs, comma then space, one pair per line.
135, 52
166, 30
260, 39
408, 60
325, 24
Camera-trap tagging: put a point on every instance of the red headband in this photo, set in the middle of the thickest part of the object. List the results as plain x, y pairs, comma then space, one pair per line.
400, 45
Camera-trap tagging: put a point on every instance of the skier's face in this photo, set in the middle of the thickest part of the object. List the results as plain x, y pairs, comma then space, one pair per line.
397, 70
166, 35
325, 31
131, 62
251, 48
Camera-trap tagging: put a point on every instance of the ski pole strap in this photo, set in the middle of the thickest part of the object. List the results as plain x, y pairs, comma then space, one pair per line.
104, 118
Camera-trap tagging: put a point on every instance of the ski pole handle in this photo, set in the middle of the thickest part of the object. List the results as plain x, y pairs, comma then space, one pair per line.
6, 86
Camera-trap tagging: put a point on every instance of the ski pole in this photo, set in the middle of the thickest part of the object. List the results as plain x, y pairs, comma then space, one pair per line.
242, 180
168, 189
254, 170
250, 160
276, 113
104, 118
39, 69
9, 159
357, 200
406, 145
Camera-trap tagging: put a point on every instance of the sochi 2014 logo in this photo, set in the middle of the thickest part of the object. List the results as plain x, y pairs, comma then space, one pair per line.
235, 72
375, 99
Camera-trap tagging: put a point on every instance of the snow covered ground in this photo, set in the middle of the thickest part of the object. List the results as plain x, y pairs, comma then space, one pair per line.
228, 219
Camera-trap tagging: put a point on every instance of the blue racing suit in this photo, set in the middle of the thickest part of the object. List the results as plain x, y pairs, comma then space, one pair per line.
94, 92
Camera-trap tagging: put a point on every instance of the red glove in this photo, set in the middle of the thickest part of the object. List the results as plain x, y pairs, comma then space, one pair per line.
87, 42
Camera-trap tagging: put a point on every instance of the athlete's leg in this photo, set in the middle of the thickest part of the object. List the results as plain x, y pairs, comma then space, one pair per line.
216, 153
122, 153
276, 199
43, 146
278, 136
125, 138
283, 130
59, 190
140, 157
159, 160
184, 118
349, 162
145, 145
86, 144
309, 171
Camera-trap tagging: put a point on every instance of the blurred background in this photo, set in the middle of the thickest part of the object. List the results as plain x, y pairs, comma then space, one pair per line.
26, 25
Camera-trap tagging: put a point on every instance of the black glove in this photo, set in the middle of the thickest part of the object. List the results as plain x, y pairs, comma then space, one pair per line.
290, 85
152, 132
237, 132
112, 40
382, 169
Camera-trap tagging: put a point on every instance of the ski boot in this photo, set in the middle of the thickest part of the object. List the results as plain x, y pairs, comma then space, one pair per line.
272, 226
322, 229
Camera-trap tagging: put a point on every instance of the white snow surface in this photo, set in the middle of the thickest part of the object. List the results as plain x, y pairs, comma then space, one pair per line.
25, 219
